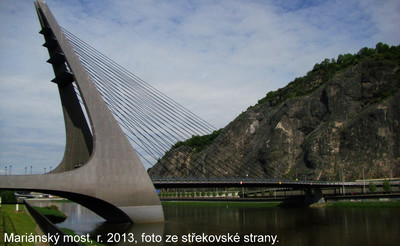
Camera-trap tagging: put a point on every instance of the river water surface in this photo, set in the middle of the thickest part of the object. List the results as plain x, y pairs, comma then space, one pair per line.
252, 226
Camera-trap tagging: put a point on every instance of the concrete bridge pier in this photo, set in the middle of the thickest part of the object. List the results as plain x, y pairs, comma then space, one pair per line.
116, 198
314, 196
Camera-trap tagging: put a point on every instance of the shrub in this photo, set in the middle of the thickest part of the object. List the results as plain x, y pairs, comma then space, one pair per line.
52, 213
387, 186
7, 196
199, 142
372, 187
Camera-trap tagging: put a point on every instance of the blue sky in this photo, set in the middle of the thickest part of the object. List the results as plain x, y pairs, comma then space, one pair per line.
214, 57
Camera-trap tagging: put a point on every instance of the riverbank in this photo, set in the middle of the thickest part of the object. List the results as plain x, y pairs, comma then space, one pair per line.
221, 203
364, 204
52, 213
269, 204
18, 223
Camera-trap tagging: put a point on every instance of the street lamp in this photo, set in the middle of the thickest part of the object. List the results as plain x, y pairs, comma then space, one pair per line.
344, 192
6, 170
31, 169
363, 181
243, 189
10, 169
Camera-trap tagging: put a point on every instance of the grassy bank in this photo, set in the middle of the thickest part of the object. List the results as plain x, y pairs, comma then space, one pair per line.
372, 204
52, 213
17, 222
221, 204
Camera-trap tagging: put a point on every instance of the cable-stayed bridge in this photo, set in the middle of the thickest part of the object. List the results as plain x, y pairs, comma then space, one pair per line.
107, 109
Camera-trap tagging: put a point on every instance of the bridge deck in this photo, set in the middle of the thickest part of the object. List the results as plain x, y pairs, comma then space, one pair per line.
250, 182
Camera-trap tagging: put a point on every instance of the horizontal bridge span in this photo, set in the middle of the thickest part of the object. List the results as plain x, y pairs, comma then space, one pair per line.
247, 182
101, 207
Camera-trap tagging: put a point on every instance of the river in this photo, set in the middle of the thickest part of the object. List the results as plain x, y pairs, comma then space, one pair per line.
271, 226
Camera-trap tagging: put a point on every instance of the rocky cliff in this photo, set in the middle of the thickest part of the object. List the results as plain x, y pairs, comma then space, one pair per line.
343, 117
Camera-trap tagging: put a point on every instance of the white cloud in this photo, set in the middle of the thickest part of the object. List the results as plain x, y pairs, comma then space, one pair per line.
214, 57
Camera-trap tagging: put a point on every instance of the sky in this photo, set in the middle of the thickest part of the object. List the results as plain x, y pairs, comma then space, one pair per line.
216, 58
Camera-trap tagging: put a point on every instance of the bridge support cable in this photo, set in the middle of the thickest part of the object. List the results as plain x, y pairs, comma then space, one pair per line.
153, 107
154, 94
134, 122
134, 113
215, 161
136, 116
150, 92
135, 119
142, 110
137, 140
100, 74
152, 121
131, 112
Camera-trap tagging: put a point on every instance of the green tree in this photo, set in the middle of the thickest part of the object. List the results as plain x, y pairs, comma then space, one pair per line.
262, 192
372, 187
366, 52
387, 186
325, 62
199, 142
8, 196
381, 47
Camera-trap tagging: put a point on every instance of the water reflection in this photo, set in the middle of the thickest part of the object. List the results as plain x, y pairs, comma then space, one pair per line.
80, 219
293, 226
